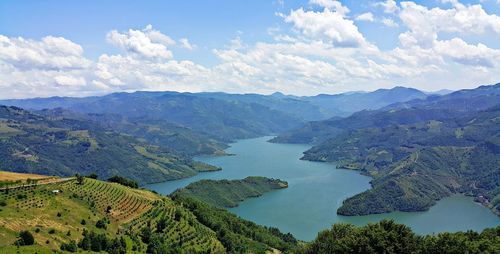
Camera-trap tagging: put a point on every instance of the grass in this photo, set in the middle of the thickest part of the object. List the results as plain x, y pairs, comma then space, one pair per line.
37, 208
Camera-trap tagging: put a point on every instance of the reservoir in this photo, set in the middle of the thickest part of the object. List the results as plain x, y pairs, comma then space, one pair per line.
316, 190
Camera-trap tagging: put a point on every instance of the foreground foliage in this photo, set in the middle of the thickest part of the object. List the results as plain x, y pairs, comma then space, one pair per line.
389, 237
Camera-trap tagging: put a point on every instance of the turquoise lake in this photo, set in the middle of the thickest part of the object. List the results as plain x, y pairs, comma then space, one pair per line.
316, 190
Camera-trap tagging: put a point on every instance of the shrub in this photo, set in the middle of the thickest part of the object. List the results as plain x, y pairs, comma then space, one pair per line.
83, 222
101, 224
52, 231
124, 181
70, 247
25, 238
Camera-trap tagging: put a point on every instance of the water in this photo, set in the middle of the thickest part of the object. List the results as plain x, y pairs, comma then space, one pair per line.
316, 190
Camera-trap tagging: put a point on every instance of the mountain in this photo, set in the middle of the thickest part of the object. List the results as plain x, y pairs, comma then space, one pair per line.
414, 165
228, 193
348, 103
223, 116
94, 216
179, 139
66, 146
432, 108
226, 120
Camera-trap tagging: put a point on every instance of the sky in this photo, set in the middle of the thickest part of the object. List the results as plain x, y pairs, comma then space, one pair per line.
82, 48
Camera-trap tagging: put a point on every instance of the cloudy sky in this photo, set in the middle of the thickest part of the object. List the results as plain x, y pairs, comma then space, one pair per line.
81, 48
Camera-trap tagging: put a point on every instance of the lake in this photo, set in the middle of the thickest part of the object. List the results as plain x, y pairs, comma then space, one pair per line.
316, 190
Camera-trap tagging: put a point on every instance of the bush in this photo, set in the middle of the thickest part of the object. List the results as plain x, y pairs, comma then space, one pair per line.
25, 238
3, 203
52, 231
124, 181
101, 224
70, 247
83, 222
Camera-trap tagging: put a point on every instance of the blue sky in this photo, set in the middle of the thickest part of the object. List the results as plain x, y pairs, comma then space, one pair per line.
233, 39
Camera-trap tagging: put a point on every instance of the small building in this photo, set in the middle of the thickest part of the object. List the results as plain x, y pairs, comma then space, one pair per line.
56, 191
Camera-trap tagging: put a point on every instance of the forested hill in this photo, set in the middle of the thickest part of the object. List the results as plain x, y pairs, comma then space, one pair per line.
416, 164
219, 115
66, 146
228, 193
180, 140
225, 120
434, 107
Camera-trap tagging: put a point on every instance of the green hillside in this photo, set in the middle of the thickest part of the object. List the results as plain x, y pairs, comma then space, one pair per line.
228, 193
449, 106
178, 139
97, 215
61, 146
415, 165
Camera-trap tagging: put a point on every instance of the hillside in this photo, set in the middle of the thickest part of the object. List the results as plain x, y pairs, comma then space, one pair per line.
33, 143
435, 107
96, 215
226, 120
179, 139
415, 165
228, 193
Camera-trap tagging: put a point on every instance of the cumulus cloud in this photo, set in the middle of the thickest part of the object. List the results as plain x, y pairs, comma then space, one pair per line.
367, 16
326, 24
390, 6
147, 43
186, 44
323, 52
331, 5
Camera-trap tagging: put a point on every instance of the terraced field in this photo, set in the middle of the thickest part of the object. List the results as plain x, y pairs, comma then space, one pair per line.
54, 214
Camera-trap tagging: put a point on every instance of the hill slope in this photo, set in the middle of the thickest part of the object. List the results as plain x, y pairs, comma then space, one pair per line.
435, 107
146, 222
228, 193
415, 165
34, 143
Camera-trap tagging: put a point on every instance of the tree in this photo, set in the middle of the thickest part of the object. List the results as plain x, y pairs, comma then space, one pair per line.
161, 224
79, 179
70, 247
25, 238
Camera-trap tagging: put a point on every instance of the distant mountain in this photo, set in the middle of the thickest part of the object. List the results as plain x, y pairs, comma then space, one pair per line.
418, 110
441, 92
34, 143
475, 99
224, 119
348, 103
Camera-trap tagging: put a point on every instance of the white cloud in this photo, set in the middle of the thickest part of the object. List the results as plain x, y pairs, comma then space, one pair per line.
324, 52
389, 22
331, 5
51, 53
330, 25
390, 6
367, 16
147, 43
186, 44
